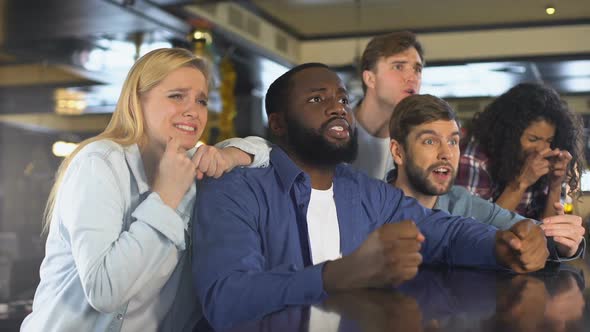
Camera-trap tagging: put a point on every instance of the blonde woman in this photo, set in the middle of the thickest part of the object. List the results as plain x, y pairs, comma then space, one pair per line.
117, 254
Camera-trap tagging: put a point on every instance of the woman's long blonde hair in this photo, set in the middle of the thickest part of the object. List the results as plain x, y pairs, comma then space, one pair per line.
126, 126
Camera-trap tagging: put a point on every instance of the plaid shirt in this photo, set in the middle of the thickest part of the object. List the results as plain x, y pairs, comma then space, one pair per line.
474, 176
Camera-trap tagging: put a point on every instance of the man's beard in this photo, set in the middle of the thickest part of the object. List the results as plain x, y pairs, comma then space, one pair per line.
418, 179
312, 147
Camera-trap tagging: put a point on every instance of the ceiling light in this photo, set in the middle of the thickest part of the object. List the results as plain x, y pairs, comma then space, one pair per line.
203, 36
63, 149
550, 10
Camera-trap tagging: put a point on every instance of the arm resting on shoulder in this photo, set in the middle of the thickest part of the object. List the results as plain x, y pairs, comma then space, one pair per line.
257, 147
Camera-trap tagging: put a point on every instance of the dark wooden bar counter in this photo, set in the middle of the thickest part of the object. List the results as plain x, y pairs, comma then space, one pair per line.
439, 299
443, 299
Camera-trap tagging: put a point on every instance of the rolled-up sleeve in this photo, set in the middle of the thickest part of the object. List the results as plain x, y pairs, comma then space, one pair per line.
258, 147
450, 240
554, 254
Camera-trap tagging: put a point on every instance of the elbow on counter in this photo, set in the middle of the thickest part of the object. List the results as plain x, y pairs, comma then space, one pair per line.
220, 307
217, 317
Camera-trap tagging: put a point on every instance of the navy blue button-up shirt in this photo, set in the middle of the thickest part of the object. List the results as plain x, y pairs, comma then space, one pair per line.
251, 246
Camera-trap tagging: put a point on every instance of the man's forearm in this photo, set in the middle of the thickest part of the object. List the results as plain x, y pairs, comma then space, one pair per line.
243, 296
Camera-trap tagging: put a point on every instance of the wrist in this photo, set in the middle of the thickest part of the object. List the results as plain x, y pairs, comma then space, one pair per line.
330, 277
238, 157
168, 199
519, 185
564, 251
336, 275
500, 250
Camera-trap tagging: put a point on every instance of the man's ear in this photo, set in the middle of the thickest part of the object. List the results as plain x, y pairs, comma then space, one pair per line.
397, 152
277, 124
369, 78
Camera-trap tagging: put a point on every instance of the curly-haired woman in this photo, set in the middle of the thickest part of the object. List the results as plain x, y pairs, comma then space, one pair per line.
522, 149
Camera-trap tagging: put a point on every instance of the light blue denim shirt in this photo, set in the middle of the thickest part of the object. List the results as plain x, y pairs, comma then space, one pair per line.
460, 202
116, 257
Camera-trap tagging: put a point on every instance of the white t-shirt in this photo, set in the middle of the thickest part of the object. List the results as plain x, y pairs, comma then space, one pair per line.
322, 226
324, 241
374, 157
324, 321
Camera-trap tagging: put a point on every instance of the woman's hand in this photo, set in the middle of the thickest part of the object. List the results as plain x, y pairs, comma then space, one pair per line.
558, 169
213, 162
176, 172
567, 231
536, 165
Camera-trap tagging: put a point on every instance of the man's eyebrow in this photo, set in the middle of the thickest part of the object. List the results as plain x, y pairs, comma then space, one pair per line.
426, 132
403, 62
340, 89
432, 132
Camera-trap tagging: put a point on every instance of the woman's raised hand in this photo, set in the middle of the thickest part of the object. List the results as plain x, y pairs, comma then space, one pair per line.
176, 172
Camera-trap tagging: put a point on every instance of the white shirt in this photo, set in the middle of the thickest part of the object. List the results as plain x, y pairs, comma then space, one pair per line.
374, 157
324, 238
322, 226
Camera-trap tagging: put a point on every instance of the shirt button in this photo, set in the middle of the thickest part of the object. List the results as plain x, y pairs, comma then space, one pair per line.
119, 316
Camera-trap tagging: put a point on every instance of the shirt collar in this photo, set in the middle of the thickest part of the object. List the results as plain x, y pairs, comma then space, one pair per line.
285, 167
288, 171
135, 164
441, 202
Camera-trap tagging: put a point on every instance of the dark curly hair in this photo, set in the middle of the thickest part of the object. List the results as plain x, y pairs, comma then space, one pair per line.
499, 127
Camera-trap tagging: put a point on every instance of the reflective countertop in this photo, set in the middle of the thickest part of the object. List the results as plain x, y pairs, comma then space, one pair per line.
556, 298
444, 299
